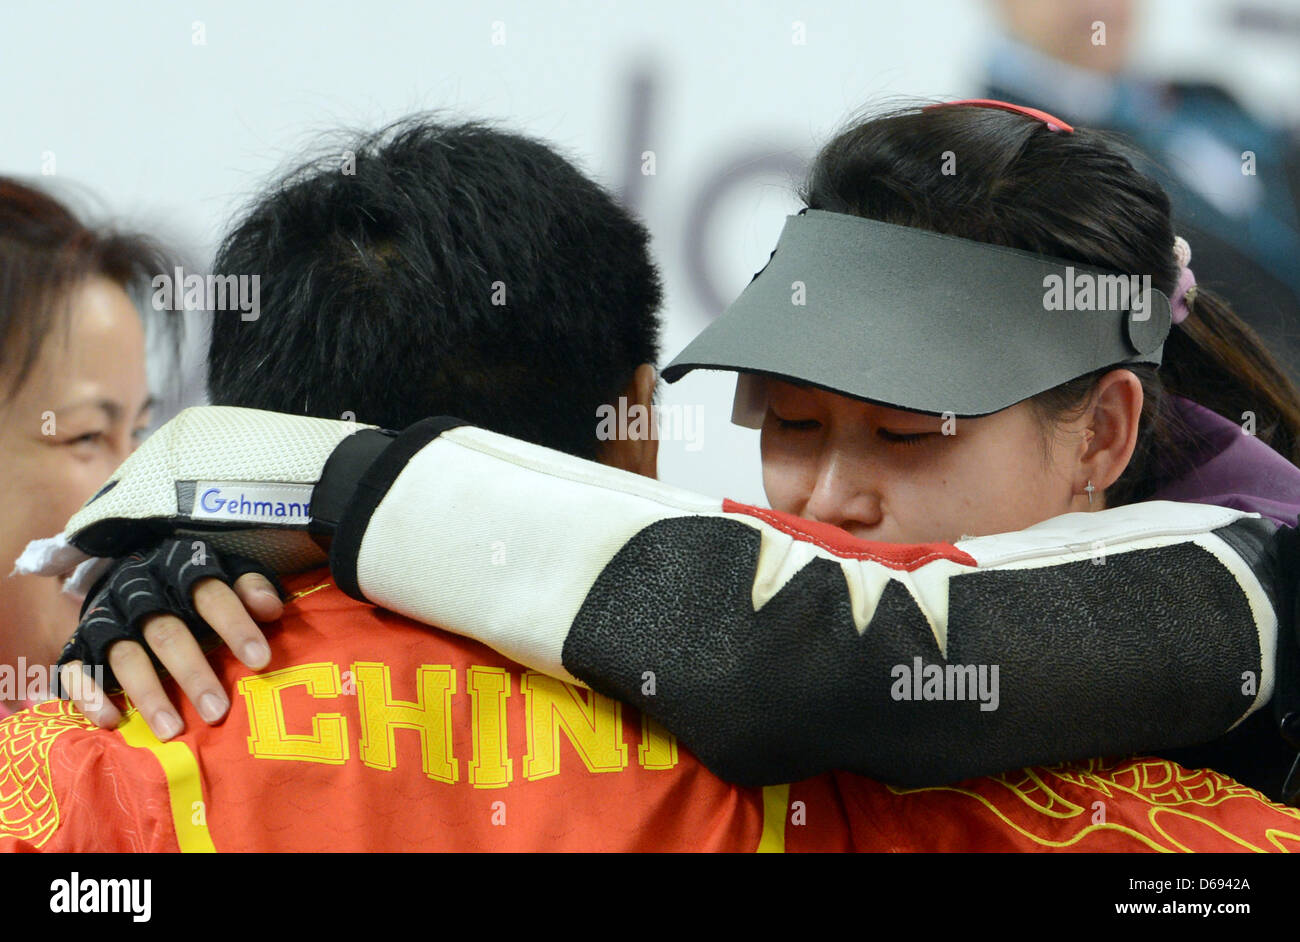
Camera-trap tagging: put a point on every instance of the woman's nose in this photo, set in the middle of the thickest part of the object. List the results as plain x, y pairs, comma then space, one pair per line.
843, 495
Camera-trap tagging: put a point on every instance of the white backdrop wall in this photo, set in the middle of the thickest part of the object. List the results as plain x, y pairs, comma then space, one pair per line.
121, 101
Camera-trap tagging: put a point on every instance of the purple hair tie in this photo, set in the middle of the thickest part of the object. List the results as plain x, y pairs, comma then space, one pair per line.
1185, 291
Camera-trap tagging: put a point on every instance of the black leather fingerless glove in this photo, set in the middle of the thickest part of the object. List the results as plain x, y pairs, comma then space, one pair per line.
150, 582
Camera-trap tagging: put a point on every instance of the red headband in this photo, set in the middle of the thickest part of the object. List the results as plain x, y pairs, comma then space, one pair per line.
1053, 123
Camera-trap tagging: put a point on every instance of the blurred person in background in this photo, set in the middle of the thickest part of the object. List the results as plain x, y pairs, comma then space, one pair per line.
1233, 179
74, 399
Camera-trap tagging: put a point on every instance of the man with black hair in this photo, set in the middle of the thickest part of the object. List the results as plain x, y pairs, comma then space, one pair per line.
432, 269
441, 269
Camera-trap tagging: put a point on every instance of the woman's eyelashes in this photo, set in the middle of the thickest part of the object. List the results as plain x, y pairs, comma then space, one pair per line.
900, 438
90, 441
89, 438
891, 437
791, 425
797, 425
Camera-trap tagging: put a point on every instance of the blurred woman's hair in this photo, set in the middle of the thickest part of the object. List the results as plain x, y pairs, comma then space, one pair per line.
46, 253
1078, 197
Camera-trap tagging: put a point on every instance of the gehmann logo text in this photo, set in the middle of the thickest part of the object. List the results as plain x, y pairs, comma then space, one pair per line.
273, 503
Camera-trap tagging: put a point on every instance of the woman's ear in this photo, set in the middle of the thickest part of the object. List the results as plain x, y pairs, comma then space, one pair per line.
1111, 428
639, 454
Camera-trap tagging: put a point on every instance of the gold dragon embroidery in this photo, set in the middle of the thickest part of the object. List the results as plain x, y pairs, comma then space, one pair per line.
29, 809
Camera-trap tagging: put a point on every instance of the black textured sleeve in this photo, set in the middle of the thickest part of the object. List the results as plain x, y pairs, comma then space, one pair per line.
1158, 648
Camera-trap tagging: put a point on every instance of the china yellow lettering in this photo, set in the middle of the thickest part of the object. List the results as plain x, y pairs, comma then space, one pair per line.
491, 766
267, 737
592, 723
430, 716
658, 749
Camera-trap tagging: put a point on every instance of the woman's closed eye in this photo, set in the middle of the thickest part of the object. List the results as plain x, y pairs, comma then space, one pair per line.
89, 438
893, 438
789, 424
905, 438
797, 425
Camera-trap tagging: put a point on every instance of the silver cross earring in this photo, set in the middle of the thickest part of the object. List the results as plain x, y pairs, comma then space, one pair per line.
1089, 489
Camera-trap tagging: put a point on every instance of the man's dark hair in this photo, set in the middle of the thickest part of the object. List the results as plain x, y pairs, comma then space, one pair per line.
434, 269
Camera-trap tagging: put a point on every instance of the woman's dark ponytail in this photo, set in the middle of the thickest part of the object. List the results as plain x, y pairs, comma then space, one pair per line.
1005, 178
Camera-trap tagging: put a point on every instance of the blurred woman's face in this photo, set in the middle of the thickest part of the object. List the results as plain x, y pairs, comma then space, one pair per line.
892, 476
79, 414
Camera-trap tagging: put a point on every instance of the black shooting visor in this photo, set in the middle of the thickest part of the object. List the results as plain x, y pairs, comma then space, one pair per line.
923, 322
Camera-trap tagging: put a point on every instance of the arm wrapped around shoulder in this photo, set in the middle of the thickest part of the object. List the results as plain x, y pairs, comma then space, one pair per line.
777, 649
941, 672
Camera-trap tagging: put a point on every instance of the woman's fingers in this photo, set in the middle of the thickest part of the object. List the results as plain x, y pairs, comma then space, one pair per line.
88, 697
167, 640
223, 608
172, 643
135, 672
229, 611
259, 597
